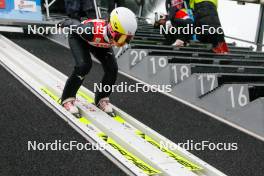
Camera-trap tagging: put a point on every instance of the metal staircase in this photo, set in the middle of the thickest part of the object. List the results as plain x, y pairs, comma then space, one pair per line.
224, 85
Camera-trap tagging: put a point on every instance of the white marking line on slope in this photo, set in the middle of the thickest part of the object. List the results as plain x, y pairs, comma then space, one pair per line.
221, 119
11, 29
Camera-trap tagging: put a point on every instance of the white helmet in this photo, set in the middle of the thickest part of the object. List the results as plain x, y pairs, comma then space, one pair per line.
123, 21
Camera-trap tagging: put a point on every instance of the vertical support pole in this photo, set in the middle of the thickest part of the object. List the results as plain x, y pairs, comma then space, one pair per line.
260, 29
47, 8
96, 9
99, 13
140, 10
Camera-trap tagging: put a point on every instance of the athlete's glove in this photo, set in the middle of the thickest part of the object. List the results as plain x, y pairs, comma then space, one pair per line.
168, 24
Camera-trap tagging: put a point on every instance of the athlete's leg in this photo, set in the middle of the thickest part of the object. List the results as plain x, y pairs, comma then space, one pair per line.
108, 60
206, 14
88, 9
83, 63
73, 8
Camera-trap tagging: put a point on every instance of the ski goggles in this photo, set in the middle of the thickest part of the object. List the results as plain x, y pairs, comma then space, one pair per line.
120, 38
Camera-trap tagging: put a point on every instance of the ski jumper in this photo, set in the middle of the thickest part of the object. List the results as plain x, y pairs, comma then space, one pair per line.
93, 41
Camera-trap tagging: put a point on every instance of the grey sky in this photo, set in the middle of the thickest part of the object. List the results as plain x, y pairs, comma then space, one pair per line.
239, 20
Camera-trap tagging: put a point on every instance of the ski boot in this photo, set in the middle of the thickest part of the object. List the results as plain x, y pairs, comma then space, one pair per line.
221, 48
104, 105
69, 105
178, 43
